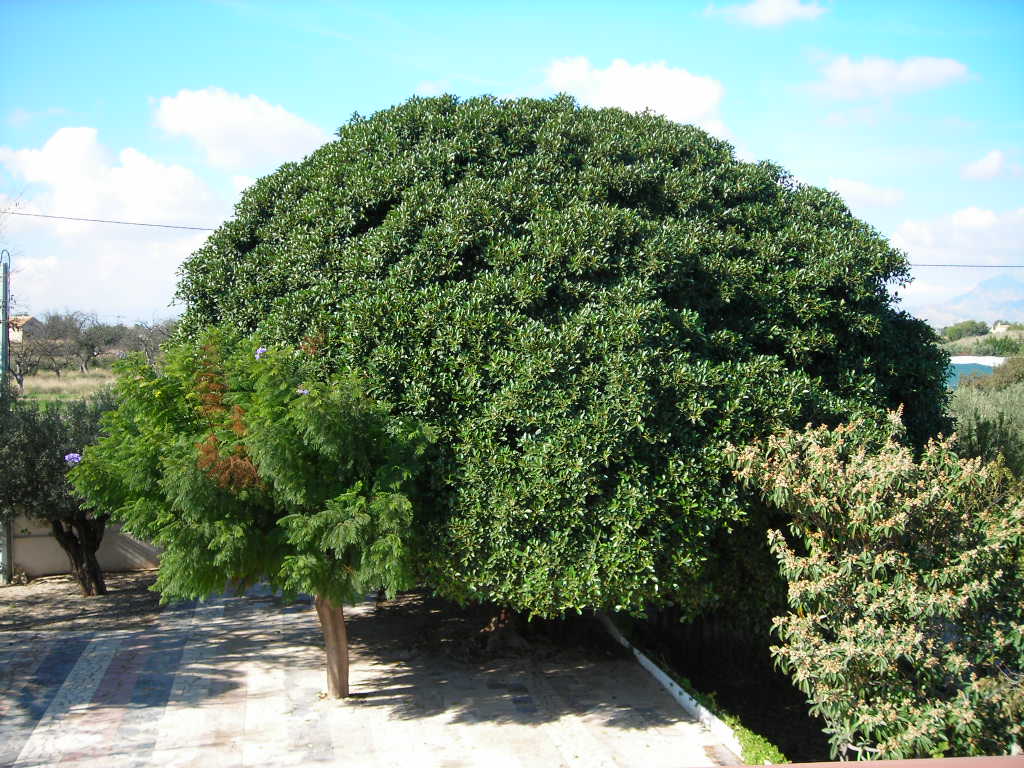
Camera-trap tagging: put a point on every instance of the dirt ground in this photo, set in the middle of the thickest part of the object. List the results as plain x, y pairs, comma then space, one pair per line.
56, 603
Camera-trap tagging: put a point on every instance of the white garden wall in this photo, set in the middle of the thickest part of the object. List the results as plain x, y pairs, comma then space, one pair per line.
37, 553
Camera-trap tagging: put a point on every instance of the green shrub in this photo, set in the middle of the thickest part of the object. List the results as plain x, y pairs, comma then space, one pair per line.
998, 346
990, 422
586, 304
37, 439
906, 590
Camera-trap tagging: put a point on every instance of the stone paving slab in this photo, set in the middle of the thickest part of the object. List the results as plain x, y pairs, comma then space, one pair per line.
238, 681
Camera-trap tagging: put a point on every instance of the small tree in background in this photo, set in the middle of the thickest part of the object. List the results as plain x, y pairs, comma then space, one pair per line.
906, 589
966, 328
149, 337
244, 473
40, 443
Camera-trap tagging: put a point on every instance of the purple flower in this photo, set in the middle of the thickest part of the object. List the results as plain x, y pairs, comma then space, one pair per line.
73, 458
302, 391
260, 352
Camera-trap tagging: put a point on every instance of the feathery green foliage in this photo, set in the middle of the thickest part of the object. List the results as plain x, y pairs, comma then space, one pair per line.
587, 305
906, 589
244, 473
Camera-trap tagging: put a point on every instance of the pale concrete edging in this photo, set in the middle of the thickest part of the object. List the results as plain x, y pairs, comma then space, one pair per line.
702, 714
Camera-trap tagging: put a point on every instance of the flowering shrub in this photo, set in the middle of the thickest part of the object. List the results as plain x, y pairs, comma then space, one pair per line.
906, 590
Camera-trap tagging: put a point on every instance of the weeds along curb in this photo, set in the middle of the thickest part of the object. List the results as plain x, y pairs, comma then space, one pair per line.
698, 711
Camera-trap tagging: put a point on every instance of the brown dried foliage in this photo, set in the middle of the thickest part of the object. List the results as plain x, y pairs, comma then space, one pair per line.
233, 469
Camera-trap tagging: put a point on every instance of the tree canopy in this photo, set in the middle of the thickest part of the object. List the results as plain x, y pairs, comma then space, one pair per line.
41, 442
241, 473
586, 306
965, 328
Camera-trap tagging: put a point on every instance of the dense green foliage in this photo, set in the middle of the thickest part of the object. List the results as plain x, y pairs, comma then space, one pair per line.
989, 415
999, 346
586, 305
243, 473
906, 589
34, 478
965, 328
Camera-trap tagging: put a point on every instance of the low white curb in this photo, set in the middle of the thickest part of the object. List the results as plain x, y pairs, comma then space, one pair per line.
701, 713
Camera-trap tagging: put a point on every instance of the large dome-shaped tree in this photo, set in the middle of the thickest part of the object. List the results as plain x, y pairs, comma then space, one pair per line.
586, 305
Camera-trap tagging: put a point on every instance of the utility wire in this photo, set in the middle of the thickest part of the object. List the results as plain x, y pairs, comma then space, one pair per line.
211, 229
108, 221
974, 266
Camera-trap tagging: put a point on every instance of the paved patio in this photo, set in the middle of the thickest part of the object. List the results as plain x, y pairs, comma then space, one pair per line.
238, 681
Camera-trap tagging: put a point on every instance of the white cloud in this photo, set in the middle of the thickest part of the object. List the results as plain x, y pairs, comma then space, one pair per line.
988, 167
859, 193
874, 76
974, 218
238, 132
972, 236
670, 91
769, 13
113, 270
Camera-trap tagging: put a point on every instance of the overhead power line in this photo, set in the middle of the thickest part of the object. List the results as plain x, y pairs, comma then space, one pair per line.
108, 221
974, 266
211, 229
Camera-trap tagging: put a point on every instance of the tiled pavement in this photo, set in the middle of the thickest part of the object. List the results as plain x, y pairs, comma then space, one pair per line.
237, 682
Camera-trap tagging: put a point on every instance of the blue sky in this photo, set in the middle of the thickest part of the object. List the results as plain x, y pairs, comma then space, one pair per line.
162, 111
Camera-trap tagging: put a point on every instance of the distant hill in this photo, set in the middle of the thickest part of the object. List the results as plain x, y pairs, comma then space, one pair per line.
997, 298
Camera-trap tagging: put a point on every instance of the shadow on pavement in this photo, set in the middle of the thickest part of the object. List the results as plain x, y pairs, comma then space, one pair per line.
428, 658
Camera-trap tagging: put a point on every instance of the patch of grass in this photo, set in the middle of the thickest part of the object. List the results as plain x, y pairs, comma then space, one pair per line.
72, 385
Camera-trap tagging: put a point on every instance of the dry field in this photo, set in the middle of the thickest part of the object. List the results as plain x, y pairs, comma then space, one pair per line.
71, 385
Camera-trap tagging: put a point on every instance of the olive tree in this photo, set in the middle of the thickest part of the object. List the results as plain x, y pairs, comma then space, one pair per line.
41, 443
586, 305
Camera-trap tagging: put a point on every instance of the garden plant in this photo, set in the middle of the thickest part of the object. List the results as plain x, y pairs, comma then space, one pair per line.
41, 443
586, 305
906, 589
244, 473
540, 325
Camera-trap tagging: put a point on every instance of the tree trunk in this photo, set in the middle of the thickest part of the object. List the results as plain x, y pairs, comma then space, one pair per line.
332, 622
80, 538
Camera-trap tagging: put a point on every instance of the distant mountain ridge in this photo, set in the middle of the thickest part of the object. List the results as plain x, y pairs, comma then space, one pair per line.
997, 298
